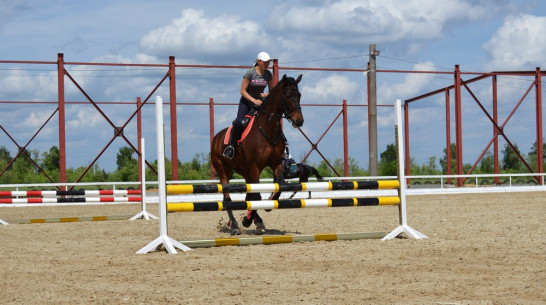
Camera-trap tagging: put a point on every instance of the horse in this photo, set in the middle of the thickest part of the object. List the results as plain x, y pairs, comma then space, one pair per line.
302, 172
263, 146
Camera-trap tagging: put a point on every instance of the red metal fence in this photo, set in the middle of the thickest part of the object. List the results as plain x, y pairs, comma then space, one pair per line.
63, 74
459, 84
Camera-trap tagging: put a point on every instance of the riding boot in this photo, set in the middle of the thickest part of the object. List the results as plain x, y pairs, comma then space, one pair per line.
229, 151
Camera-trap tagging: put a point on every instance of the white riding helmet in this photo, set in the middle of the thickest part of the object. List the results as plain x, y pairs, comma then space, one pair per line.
263, 56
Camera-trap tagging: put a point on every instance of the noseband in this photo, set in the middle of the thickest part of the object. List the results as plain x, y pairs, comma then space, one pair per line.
287, 110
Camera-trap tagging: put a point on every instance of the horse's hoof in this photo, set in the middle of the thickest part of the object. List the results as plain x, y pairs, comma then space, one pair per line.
247, 219
260, 227
234, 228
246, 222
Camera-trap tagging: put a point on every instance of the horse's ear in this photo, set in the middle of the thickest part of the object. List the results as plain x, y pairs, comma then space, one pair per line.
283, 78
298, 79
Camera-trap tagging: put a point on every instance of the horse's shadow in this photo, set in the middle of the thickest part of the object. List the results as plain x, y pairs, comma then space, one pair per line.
269, 232
225, 229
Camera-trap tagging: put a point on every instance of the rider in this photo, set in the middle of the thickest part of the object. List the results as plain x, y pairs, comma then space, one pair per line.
290, 167
252, 94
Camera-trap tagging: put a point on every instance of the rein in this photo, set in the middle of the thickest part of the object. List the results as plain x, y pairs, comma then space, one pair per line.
279, 117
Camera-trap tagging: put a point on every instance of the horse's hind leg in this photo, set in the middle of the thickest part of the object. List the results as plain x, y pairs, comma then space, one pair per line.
232, 222
260, 227
252, 216
259, 223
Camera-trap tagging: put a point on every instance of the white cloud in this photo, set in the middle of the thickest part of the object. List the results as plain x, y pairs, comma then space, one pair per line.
36, 119
196, 36
16, 82
84, 119
349, 22
519, 44
19, 82
412, 84
332, 88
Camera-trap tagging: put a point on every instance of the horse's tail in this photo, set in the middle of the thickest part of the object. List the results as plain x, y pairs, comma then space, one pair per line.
315, 172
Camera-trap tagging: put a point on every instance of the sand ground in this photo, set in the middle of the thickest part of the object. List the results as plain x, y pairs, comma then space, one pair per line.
483, 249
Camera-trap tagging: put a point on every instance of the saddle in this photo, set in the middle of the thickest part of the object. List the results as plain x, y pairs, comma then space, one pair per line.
248, 121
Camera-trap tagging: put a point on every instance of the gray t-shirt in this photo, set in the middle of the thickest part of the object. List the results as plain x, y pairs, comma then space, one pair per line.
257, 82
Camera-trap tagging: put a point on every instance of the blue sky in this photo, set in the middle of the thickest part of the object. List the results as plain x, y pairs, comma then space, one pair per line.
480, 36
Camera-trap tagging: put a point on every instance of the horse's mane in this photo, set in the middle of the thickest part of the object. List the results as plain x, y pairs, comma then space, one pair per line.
286, 80
274, 90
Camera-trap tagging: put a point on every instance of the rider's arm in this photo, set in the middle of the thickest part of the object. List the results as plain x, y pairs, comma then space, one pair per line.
269, 86
245, 94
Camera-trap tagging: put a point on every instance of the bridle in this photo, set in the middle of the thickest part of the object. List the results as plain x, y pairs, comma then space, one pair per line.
286, 112
284, 102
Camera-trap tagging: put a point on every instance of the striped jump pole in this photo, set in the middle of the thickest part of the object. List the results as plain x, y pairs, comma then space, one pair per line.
281, 239
283, 187
69, 193
69, 219
279, 204
68, 200
50, 198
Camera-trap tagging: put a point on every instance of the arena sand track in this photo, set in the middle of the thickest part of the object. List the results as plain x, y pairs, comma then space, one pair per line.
483, 249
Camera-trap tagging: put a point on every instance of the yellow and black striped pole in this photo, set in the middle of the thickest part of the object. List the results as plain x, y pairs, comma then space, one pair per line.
281, 239
283, 187
280, 204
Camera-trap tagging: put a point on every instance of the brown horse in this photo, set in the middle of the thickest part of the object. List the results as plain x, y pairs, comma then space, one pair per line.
263, 146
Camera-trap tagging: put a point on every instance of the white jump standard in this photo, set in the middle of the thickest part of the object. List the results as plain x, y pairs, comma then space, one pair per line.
163, 239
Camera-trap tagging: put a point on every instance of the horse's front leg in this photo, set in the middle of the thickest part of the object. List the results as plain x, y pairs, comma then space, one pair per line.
252, 215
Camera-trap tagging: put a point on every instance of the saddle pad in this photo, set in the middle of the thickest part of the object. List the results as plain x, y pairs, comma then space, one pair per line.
245, 131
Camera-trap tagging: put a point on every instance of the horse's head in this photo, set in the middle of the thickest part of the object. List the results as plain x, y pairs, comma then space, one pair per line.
290, 97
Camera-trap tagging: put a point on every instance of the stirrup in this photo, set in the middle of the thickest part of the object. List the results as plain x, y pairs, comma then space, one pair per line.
229, 152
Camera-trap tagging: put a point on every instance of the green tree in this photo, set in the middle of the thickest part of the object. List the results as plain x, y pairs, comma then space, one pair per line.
430, 168
5, 158
4, 154
125, 157
23, 169
355, 170
197, 169
388, 165
532, 156
51, 160
443, 160
127, 166
339, 166
510, 160
487, 163
324, 169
